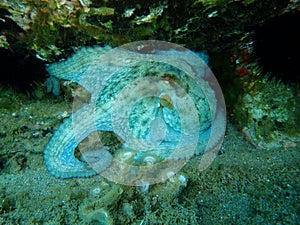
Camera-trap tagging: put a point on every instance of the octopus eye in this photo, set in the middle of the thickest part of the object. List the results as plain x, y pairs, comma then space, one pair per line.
166, 101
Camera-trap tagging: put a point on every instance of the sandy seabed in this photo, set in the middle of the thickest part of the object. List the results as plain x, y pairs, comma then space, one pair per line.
244, 185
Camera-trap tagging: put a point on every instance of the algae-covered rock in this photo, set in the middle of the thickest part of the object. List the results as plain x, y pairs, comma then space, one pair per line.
268, 113
52, 27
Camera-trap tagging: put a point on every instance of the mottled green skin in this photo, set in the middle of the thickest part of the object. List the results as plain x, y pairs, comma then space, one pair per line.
129, 82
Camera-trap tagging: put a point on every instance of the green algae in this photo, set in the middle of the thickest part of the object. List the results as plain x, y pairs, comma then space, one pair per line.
218, 2
51, 28
268, 111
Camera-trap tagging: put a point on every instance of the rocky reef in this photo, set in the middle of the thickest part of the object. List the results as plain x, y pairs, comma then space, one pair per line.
269, 120
42, 27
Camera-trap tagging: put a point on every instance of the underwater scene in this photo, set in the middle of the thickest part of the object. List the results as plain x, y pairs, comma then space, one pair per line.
149, 112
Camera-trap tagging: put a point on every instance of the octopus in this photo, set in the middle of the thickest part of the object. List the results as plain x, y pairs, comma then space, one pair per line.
159, 99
